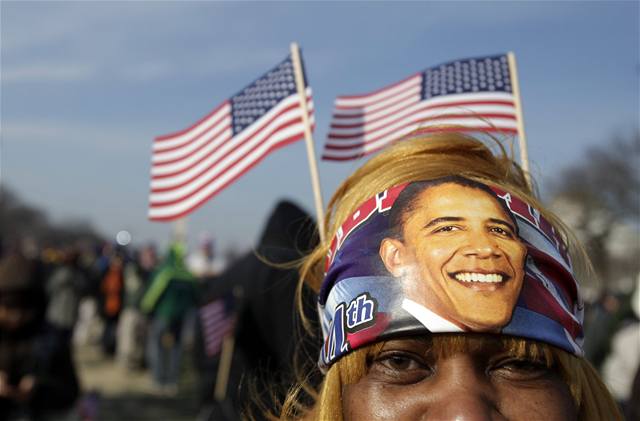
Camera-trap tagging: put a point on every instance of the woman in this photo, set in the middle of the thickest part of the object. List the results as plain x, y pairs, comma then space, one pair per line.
382, 362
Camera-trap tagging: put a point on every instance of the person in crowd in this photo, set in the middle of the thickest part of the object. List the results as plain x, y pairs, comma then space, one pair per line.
632, 407
602, 318
267, 334
622, 365
132, 323
169, 298
112, 291
380, 362
106, 253
64, 288
37, 374
204, 262
89, 328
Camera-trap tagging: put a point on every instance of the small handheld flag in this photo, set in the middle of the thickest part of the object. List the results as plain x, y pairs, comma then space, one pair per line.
218, 320
473, 94
193, 165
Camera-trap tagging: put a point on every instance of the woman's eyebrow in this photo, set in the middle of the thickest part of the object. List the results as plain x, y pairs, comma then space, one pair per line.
421, 341
441, 219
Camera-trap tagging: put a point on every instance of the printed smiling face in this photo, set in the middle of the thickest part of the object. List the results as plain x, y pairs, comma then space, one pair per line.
460, 257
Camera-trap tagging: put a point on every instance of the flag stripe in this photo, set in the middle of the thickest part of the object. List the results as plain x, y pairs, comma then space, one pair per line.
363, 99
422, 111
370, 130
379, 108
193, 168
403, 126
194, 179
180, 211
182, 193
362, 148
175, 209
354, 122
547, 305
356, 153
175, 168
389, 98
460, 100
184, 136
194, 151
217, 323
391, 110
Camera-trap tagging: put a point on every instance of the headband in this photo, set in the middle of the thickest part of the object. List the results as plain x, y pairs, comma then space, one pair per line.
447, 255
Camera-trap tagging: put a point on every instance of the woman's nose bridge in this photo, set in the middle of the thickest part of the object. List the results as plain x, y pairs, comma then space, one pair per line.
463, 408
462, 393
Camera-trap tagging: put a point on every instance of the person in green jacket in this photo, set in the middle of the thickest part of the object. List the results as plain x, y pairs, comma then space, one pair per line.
168, 300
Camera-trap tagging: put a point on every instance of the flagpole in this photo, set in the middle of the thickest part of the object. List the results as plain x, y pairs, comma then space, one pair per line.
311, 155
228, 346
224, 368
522, 139
180, 230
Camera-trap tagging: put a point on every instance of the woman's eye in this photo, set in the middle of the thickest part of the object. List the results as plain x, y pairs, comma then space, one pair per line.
400, 367
522, 369
399, 362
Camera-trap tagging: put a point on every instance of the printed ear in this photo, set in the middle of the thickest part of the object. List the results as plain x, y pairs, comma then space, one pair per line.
392, 252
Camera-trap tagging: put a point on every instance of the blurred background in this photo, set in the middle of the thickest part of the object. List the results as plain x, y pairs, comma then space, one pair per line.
85, 88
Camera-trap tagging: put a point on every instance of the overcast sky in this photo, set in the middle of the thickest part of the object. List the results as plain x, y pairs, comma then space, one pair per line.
86, 86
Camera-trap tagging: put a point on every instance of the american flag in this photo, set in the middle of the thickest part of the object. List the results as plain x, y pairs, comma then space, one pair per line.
218, 320
473, 94
191, 166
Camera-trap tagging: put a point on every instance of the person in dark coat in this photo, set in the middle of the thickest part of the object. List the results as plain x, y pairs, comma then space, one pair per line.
37, 375
267, 345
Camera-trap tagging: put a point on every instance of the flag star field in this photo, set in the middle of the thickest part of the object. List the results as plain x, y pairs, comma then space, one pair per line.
471, 75
262, 95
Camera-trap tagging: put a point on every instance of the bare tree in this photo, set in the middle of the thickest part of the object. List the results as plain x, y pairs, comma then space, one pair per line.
599, 196
19, 221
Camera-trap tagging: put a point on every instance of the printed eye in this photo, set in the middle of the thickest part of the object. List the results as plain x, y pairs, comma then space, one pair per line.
446, 228
501, 231
400, 367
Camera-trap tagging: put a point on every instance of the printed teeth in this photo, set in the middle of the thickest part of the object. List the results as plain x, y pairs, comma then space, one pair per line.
492, 278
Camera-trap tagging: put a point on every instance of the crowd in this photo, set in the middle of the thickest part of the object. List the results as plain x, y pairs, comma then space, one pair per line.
144, 309
133, 304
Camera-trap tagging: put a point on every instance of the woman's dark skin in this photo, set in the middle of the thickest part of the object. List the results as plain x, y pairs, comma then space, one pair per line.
406, 381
